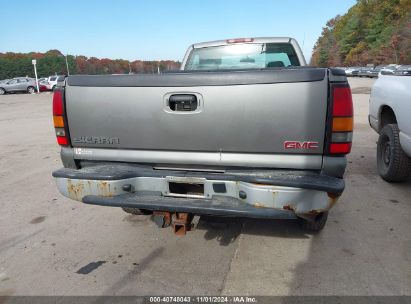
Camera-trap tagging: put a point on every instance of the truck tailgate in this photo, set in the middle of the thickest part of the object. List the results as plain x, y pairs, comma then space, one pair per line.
236, 112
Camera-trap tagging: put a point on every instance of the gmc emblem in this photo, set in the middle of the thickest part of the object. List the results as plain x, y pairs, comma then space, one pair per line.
300, 145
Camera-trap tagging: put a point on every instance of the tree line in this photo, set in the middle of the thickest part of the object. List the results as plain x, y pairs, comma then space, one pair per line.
54, 62
371, 32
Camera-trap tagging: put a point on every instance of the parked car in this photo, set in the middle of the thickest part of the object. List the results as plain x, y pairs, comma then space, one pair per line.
349, 71
356, 72
53, 80
403, 70
228, 136
42, 79
390, 112
374, 72
365, 72
19, 84
43, 87
389, 70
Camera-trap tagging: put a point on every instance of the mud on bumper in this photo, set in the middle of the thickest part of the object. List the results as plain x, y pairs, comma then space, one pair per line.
241, 193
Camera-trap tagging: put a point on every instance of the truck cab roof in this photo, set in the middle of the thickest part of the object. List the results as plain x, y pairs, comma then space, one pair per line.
243, 40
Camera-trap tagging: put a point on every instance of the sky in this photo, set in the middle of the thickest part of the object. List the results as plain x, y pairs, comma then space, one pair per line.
156, 29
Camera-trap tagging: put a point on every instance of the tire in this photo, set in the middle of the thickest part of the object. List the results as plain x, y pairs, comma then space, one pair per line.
31, 90
317, 225
53, 88
136, 211
393, 164
2, 91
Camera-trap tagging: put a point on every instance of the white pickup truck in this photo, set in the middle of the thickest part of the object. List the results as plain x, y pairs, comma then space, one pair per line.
390, 116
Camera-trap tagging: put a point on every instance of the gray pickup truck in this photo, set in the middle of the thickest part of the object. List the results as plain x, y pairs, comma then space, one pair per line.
245, 129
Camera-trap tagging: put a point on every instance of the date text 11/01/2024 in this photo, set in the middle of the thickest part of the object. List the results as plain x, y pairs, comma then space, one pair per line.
203, 299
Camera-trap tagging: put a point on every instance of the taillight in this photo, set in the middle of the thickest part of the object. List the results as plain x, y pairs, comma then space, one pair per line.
57, 103
58, 118
342, 123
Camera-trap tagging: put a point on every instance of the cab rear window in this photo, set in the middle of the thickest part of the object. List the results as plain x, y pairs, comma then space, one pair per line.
243, 56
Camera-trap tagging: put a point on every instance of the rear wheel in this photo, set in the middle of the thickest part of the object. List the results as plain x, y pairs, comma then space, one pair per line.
315, 225
31, 90
53, 87
393, 164
2, 91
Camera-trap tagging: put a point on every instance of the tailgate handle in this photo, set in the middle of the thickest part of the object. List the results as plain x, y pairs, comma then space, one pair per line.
183, 102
